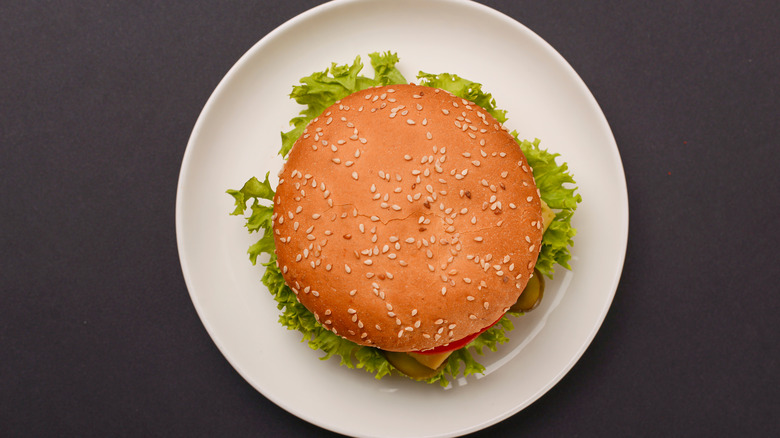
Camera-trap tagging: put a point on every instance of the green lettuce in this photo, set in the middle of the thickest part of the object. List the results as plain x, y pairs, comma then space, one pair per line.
557, 189
464, 89
322, 89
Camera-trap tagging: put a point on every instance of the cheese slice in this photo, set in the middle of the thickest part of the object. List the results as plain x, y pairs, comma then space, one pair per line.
431, 361
547, 215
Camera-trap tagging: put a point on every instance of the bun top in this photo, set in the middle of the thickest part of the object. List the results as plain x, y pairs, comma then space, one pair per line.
406, 218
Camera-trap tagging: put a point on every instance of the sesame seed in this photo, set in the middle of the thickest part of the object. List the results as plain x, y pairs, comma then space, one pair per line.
355, 175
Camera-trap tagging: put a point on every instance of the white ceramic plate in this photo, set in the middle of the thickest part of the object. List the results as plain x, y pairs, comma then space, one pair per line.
237, 136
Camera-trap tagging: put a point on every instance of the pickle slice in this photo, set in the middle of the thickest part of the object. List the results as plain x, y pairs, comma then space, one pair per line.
409, 366
532, 294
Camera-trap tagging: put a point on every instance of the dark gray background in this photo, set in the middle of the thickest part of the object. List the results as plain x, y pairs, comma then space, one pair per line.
98, 336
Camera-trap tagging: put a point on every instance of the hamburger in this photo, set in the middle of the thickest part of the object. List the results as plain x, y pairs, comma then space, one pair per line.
406, 222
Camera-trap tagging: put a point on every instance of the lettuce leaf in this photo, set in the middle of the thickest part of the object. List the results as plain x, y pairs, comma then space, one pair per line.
261, 214
464, 89
322, 89
557, 189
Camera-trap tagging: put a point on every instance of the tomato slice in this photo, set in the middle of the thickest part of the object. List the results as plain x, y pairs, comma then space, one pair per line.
460, 343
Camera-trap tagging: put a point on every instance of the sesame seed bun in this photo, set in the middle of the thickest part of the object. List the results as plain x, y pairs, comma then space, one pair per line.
406, 218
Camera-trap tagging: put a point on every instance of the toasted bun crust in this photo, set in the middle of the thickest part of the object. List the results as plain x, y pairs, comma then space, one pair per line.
406, 218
